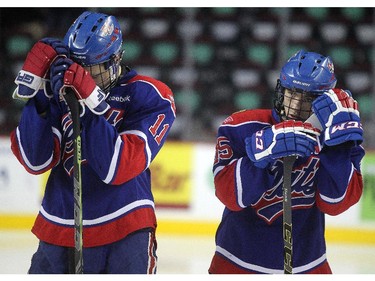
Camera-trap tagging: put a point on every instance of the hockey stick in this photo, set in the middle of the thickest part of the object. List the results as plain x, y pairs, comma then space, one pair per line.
73, 104
287, 203
287, 214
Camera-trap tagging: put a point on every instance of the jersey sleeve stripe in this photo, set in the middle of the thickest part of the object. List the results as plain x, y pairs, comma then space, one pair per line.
112, 167
339, 199
219, 168
35, 168
144, 137
239, 184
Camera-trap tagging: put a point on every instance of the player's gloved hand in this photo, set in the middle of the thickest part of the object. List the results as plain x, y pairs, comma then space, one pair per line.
284, 139
338, 114
60, 48
57, 71
86, 89
31, 77
77, 78
67, 74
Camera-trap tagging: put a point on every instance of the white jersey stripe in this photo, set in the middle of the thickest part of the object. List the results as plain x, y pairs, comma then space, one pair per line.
24, 157
262, 269
239, 184
102, 219
144, 137
116, 153
112, 167
337, 200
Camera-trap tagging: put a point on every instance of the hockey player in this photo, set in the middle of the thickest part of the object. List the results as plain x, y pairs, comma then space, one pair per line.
125, 119
248, 171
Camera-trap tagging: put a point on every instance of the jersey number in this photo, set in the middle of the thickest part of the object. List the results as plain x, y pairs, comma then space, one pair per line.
223, 150
155, 128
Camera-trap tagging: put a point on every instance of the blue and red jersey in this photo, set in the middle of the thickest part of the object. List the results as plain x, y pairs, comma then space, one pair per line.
249, 238
117, 149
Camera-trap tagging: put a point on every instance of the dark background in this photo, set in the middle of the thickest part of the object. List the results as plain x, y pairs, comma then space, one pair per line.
216, 60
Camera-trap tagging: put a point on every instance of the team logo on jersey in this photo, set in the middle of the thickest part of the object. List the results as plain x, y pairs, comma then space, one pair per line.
67, 157
114, 116
68, 151
270, 206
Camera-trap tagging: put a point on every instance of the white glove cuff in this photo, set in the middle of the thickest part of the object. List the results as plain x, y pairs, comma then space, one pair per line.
96, 101
29, 82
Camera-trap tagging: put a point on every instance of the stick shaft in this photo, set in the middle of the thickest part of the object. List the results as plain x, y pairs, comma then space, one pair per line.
78, 221
287, 214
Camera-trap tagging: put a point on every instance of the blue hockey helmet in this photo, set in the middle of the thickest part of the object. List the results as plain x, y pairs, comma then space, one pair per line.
95, 39
305, 76
308, 72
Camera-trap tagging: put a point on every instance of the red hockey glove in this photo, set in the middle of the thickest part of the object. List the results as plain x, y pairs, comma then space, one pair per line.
338, 114
284, 139
31, 77
85, 88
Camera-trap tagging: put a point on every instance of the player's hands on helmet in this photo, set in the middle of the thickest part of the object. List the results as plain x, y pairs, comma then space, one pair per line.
67, 74
57, 73
284, 139
85, 88
338, 114
32, 76
60, 48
